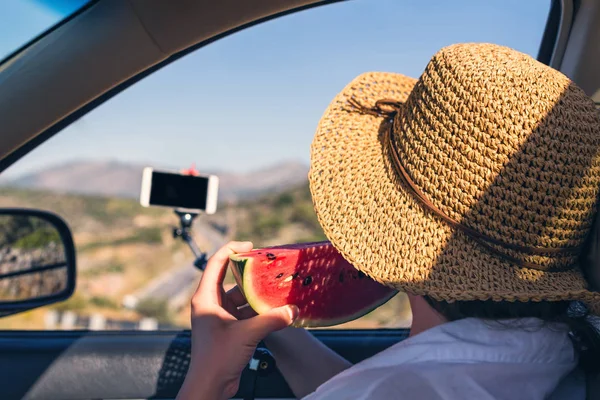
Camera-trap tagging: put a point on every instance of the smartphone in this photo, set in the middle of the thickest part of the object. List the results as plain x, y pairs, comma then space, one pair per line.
175, 190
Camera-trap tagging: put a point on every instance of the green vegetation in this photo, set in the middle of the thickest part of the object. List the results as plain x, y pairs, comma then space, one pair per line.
29, 231
79, 302
152, 235
266, 218
157, 309
304, 213
39, 238
81, 211
284, 200
76, 303
104, 302
267, 225
116, 268
309, 239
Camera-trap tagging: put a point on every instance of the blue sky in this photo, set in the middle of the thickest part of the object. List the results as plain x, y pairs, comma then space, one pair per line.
254, 98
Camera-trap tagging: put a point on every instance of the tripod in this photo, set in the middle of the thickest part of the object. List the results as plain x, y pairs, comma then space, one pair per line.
186, 219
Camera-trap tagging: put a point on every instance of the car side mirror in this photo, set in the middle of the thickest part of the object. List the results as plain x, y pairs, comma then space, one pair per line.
37, 260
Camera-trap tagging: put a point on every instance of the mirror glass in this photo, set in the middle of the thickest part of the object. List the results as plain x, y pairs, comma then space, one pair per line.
33, 258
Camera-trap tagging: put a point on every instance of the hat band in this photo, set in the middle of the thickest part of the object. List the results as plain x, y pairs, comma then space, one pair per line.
389, 108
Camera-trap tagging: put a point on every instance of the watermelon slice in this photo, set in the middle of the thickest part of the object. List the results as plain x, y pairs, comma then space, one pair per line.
314, 276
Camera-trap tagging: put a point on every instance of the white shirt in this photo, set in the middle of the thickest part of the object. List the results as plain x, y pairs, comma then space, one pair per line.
467, 359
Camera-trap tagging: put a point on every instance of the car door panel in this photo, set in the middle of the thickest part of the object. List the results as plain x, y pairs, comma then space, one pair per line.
69, 365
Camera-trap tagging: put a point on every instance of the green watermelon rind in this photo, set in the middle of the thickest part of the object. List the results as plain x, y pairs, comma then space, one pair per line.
239, 265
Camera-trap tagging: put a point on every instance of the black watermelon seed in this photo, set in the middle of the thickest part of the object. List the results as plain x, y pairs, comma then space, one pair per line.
341, 277
361, 274
280, 275
307, 281
295, 275
271, 256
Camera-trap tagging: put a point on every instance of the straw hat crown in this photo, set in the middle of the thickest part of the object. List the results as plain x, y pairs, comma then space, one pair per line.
506, 146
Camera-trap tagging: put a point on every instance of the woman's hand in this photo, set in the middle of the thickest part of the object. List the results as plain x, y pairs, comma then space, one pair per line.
224, 336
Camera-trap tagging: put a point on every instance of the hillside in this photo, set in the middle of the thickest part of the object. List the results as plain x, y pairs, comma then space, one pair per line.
122, 180
124, 248
279, 218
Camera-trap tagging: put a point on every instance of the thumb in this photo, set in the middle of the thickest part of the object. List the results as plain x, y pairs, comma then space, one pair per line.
276, 319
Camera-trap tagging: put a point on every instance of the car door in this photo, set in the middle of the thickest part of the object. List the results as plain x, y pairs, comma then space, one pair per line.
237, 88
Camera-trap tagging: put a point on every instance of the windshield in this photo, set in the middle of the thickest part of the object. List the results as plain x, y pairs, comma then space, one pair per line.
23, 20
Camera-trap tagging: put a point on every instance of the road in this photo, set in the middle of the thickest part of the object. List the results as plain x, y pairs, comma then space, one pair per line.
176, 284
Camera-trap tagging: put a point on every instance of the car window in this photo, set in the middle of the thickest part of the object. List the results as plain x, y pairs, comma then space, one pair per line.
244, 108
21, 21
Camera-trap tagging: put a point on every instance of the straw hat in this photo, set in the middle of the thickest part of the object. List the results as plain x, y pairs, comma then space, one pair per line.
477, 181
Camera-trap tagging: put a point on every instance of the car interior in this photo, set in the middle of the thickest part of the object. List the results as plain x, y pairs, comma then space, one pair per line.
66, 72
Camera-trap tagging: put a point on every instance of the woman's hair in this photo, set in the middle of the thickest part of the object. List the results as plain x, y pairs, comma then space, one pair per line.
585, 336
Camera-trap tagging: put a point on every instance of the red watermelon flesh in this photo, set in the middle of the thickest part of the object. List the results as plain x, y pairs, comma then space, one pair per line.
314, 276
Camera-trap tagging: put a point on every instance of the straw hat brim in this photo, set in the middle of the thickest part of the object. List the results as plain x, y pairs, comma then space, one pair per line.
378, 226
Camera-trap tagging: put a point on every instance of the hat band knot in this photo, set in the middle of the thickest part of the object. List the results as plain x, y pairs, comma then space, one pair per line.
382, 108
388, 108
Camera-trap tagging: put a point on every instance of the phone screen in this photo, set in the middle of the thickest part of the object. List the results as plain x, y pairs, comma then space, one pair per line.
178, 191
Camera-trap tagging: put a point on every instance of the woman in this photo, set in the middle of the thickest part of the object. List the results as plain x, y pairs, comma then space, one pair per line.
472, 189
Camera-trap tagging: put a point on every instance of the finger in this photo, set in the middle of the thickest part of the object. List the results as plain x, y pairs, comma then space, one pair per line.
276, 319
215, 268
214, 274
245, 313
236, 297
232, 300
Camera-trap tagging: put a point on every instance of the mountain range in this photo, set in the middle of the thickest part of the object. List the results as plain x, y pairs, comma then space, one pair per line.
118, 179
